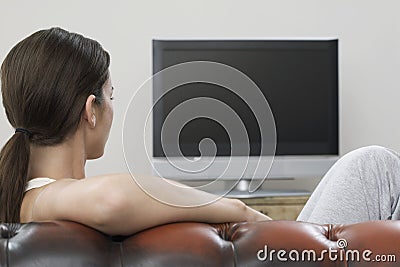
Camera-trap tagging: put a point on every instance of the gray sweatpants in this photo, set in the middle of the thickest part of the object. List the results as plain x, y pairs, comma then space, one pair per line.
363, 185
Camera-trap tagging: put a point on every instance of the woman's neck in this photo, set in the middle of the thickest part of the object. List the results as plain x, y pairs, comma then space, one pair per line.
66, 160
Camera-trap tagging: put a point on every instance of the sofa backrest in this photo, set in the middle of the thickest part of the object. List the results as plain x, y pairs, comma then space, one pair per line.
277, 243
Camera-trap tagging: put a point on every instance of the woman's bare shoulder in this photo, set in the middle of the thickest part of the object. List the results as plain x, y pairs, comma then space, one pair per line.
39, 203
30, 197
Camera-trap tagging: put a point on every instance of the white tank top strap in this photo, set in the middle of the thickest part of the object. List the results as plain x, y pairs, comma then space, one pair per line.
38, 182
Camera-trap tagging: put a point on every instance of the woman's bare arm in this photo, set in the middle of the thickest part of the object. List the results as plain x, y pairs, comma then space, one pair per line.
116, 205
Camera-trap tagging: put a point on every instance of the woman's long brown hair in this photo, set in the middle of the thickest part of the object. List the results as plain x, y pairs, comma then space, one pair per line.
45, 81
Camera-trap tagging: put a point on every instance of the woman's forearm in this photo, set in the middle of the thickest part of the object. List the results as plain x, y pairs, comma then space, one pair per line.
131, 209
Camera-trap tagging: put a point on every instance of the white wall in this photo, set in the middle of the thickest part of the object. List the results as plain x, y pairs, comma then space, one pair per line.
369, 33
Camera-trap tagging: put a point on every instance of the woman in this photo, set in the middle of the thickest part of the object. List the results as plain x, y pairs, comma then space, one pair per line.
57, 93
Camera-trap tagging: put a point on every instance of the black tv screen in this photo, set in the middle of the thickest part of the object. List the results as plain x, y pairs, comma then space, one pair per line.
299, 79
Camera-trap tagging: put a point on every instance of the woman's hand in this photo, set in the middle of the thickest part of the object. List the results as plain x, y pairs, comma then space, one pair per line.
254, 215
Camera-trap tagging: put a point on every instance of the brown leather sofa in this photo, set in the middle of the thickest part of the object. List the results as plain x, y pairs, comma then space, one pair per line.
272, 243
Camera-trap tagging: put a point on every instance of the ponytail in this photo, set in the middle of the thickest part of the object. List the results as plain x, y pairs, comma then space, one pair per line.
14, 161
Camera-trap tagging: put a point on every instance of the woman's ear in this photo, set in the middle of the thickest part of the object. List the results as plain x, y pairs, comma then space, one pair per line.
89, 114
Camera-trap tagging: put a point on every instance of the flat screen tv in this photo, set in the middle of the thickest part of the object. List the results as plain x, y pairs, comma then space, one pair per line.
298, 78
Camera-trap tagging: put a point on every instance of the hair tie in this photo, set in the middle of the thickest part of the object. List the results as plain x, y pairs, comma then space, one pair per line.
24, 131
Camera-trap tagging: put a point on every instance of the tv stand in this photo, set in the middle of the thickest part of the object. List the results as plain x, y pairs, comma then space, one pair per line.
241, 191
268, 193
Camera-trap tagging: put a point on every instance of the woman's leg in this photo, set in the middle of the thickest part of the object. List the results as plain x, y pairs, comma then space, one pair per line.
363, 185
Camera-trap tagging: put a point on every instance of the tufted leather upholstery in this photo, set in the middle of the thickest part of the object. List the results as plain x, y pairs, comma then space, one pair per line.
58, 243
